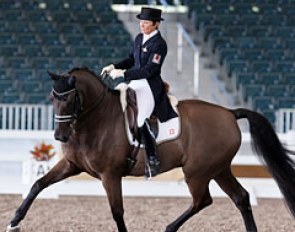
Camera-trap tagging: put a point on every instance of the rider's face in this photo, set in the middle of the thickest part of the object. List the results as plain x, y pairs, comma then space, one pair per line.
147, 26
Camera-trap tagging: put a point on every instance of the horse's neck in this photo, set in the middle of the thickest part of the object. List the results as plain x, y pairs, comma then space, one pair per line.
103, 104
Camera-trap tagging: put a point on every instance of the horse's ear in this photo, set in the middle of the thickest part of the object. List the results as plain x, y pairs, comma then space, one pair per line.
72, 81
52, 75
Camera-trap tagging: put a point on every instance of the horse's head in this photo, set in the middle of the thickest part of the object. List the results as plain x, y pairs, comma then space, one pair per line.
66, 103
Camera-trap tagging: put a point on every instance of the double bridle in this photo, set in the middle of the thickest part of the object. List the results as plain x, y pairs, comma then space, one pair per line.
78, 112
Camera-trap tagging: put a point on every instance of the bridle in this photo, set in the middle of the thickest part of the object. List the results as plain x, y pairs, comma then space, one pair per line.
62, 96
78, 112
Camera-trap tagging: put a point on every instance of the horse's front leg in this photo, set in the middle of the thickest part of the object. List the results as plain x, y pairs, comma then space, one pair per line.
60, 171
113, 187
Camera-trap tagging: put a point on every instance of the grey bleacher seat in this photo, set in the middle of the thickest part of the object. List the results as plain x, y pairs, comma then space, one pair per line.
3, 74
269, 43
98, 40
272, 78
56, 51
9, 50
262, 103
219, 42
3, 26
31, 86
26, 39
64, 63
16, 62
203, 20
276, 90
286, 102
7, 38
252, 54
69, 28
105, 51
93, 63
75, 39
107, 17
35, 15
278, 20
245, 42
249, 19
242, 79
6, 84
289, 78
212, 31
54, 5
32, 50
12, 97
283, 31
83, 17
261, 66
12, 14
41, 63
22, 74
235, 30
289, 43
285, 66
37, 98
92, 29
7, 4
228, 54
83, 51
270, 115
50, 39
61, 16
43, 27
275, 54
19, 26
240, 66
253, 90
242, 7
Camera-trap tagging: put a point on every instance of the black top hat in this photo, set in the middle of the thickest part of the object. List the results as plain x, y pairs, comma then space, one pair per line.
148, 13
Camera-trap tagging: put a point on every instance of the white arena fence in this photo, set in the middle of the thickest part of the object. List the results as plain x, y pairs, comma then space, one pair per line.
26, 117
285, 120
41, 117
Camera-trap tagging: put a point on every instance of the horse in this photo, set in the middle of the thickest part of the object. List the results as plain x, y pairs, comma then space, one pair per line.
91, 126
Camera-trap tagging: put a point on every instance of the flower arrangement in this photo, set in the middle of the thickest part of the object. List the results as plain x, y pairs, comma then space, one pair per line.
43, 152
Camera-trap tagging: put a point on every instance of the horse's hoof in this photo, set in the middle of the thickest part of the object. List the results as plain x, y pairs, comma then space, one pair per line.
13, 229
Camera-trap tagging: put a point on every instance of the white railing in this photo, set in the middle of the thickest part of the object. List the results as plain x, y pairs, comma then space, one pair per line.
26, 117
285, 120
182, 33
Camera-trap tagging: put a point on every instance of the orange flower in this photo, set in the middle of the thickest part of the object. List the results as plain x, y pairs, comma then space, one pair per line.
43, 152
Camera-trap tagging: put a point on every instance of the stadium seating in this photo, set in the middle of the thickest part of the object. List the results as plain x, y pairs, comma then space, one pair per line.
255, 43
56, 35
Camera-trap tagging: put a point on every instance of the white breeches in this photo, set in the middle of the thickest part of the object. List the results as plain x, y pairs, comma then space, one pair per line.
145, 99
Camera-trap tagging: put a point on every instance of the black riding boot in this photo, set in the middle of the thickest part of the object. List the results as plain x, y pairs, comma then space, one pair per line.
152, 159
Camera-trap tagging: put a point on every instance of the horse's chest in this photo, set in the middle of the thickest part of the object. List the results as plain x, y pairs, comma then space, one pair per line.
82, 159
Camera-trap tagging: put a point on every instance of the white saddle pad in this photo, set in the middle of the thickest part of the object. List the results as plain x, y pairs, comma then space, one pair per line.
166, 131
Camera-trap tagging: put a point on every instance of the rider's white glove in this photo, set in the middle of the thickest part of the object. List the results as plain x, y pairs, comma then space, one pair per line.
115, 73
107, 69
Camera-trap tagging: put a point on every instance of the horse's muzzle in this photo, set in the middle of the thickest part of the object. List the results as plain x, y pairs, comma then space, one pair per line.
62, 138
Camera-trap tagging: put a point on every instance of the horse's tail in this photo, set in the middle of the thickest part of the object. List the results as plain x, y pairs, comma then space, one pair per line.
268, 146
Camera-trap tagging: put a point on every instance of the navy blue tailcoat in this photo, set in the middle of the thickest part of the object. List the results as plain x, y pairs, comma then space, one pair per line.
145, 62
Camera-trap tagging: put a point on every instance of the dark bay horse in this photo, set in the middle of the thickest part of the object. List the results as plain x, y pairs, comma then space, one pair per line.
90, 125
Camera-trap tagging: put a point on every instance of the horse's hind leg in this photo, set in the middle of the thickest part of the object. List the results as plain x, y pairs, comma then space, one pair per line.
201, 198
59, 172
239, 196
